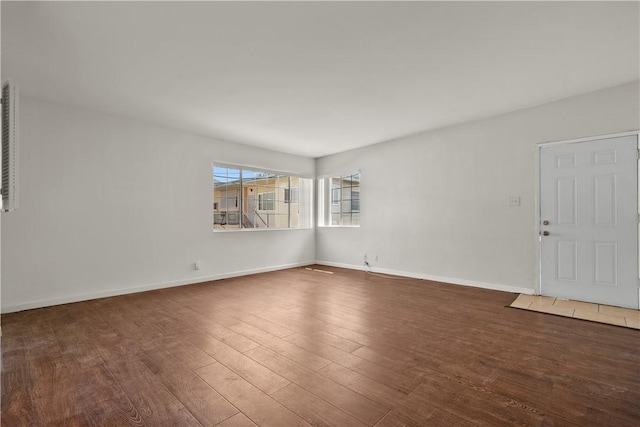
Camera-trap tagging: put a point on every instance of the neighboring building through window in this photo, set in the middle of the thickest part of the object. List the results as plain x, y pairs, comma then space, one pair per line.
291, 195
355, 200
266, 201
339, 200
250, 198
335, 196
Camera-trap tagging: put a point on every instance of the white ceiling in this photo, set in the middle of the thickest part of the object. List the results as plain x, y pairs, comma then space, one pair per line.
315, 78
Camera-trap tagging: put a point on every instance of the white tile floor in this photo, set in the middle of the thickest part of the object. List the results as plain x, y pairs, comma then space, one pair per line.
580, 310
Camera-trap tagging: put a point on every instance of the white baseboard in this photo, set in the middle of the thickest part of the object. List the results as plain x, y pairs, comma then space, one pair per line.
452, 280
124, 291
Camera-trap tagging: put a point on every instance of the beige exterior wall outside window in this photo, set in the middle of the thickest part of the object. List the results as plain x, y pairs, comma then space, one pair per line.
246, 198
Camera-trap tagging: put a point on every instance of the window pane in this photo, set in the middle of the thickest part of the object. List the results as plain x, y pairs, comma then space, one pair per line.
339, 199
245, 198
266, 201
355, 201
335, 196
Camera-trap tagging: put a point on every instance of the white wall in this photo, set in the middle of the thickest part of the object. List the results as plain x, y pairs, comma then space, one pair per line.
110, 205
435, 204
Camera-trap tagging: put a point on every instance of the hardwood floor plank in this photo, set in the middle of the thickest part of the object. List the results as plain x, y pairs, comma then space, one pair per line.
132, 374
207, 406
340, 396
481, 403
526, 382
97, 384
393, 419
263, 324
81, 355
159, 407
78, 420
377, 372
42, 343
304, 325
231, 338
261, 377
422, 411
402, 361
283, 347
17, 408
238, 420
335, 341
209, 313
12, 350
254, 403
116, 413
53, 386
350, 330
618, 409
361, 384
188, 353
312, 409
76, 345
293, 352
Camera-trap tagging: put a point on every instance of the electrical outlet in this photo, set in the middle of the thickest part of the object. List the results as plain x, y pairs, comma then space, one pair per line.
364, 257
196, 265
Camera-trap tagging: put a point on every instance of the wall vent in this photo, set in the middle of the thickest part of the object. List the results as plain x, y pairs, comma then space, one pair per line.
9, 147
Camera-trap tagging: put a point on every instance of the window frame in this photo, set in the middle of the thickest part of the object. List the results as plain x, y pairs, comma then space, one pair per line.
336, 192
304, 220
292, 195
326, 200
263, 200
358, 199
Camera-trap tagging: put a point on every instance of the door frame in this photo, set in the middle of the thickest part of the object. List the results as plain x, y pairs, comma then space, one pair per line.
537, 206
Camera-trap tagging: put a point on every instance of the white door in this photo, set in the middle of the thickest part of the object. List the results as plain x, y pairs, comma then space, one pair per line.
589, 220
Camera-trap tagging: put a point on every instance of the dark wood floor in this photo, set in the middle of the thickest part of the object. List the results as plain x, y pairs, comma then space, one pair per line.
299, 347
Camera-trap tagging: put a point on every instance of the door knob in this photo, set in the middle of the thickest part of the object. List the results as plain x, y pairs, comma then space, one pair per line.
545, 222
545, 233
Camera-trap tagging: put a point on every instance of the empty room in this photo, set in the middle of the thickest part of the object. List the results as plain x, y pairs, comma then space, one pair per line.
320, 213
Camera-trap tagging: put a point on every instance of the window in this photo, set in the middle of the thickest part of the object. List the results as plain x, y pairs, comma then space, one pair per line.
267, 201
335, 196
251, 198
339, 199
291, 195
355, 200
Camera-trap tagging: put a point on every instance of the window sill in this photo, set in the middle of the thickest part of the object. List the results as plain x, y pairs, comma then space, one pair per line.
250, 230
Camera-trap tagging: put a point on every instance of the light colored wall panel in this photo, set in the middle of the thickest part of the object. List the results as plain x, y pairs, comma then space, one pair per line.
111, 205
436, 204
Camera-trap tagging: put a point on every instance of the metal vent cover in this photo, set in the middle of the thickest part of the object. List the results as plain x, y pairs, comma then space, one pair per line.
9, 146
